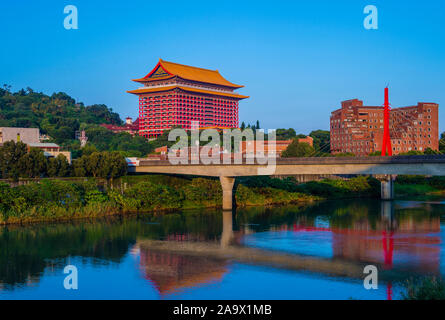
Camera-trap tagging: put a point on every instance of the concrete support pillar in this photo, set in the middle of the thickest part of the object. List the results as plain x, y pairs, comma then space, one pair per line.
227, 188
387, 186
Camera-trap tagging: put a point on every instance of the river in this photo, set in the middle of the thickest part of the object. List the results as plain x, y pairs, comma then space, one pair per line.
316, 251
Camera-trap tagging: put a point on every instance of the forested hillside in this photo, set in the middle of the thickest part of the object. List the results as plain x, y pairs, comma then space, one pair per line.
59, 116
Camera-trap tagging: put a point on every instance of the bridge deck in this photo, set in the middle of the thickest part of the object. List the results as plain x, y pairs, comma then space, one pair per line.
410, 165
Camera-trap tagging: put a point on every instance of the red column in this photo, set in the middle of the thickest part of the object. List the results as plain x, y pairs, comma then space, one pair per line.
386, 146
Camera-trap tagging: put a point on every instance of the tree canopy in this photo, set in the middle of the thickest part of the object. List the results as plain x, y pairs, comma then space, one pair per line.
297, 149
60, 116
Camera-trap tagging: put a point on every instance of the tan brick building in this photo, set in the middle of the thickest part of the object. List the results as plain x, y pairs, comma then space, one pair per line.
358, 129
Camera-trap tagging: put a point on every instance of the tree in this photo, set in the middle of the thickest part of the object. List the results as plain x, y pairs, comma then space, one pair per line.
285, 134
107, 165
79, 167
32, 164
429, 151
243, 125
322, 140
63, 165
345, 154
10, 155
53, 167
297, 149
442, 143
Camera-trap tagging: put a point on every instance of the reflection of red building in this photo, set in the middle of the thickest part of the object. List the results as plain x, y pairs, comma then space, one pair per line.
174, 95
170, 272
411, 241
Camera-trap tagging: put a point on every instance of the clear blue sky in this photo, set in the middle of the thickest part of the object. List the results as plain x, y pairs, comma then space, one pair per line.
297, 59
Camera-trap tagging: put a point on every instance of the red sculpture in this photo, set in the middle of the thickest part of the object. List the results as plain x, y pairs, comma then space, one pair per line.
386, 146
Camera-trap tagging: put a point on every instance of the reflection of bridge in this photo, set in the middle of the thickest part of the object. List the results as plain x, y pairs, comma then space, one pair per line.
190, 263
381, 167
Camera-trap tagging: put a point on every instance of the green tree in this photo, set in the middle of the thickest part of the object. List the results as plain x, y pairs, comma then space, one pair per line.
63, 166
322, 140
79, 167
442, 143
285, 134
297, 149
10, 155
53, 167
32, 164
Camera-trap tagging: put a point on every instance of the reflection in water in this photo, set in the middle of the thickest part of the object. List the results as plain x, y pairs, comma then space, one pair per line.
187, 250
170, 272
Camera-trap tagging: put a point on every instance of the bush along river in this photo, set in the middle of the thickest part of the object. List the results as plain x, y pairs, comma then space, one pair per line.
307, 251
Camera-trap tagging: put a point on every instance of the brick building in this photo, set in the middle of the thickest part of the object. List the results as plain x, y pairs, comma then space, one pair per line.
358, 129
174, 95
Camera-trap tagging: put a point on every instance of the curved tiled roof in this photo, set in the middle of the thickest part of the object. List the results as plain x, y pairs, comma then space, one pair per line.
189, 73
167, 88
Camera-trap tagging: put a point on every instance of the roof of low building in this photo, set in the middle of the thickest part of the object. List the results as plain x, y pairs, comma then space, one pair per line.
44, 145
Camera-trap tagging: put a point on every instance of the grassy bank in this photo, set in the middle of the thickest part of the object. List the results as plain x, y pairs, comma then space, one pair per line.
419, 185
58, 200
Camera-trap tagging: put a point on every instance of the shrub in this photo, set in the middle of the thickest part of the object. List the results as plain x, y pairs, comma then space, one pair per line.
154, 196
202, 190
429, 288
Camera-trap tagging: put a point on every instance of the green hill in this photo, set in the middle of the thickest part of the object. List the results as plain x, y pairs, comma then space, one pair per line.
59, 116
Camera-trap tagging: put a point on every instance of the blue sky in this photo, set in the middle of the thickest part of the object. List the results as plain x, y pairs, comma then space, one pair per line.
297, 59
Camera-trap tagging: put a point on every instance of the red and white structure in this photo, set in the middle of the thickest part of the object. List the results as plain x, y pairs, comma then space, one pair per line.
175, 95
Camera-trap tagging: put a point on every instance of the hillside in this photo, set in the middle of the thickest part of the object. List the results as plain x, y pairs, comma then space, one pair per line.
59, 116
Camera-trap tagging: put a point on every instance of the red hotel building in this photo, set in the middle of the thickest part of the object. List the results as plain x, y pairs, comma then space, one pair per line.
174, 95
358, 129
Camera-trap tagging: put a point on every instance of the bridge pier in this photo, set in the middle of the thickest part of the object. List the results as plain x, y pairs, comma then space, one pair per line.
227, 188
387, 186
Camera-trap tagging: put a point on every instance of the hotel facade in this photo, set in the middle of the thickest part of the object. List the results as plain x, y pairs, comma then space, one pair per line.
358, 129
175, 95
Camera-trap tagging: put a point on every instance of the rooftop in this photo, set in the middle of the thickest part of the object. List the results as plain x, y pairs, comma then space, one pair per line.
194, 90
165, 70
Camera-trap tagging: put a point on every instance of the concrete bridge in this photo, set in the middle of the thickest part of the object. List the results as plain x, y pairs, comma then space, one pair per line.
383, 168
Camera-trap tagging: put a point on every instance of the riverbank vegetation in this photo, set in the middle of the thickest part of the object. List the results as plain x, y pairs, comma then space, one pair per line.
55, 199
427, 288
419, 185
73, 198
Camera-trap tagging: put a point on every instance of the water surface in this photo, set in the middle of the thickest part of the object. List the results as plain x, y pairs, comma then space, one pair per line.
313, 252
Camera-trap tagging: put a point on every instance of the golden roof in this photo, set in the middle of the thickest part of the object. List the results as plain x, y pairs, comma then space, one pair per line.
194, 90
165, 70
